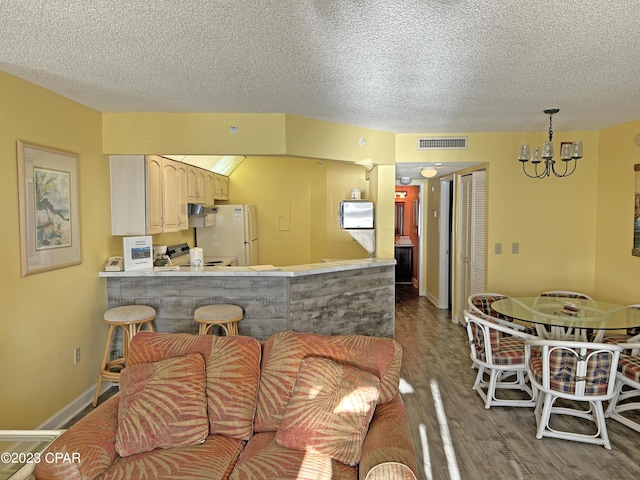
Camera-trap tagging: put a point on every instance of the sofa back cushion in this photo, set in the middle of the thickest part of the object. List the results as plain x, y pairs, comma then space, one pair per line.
283, 352
232, 366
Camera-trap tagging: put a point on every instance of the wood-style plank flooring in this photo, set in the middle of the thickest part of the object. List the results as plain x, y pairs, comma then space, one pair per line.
456, 438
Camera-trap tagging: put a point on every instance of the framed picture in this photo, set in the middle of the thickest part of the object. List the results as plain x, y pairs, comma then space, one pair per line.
48, 202
636, 213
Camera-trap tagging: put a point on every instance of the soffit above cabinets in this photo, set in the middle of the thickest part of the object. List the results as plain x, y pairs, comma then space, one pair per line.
222, 164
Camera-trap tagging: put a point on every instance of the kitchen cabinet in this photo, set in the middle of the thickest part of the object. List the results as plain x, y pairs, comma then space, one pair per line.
183, 193
148, 195
196, 185
404, 263
222, 187
209, 188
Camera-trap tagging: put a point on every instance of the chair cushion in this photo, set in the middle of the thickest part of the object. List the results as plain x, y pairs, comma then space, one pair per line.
629, 366
162, 405
563, 366
284, 351
479, 340
329, 409
511, 352
483, 303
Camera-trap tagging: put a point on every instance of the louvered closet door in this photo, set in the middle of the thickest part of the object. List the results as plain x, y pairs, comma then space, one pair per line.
472, 237
478, 232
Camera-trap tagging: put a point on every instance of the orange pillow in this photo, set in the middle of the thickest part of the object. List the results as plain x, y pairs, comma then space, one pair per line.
329, 409
162, 405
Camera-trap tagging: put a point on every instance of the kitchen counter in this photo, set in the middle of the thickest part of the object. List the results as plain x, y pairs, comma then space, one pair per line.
258, 270
333, 298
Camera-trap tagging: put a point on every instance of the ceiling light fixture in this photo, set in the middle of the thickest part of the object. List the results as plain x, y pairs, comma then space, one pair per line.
569, 151
405, 180
429, 172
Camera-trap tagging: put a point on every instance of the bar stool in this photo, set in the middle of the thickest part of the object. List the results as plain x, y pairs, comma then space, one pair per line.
223, 315
131, 318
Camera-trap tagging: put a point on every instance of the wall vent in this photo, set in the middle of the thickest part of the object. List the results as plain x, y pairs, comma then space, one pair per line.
442, 143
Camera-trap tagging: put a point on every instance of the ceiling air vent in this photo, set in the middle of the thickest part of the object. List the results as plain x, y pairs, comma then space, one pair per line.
442, 143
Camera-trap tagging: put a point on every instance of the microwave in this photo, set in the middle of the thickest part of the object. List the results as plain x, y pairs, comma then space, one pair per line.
356, 214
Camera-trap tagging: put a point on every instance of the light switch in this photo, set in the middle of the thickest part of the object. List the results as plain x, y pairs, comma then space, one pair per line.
497, 249
515, 248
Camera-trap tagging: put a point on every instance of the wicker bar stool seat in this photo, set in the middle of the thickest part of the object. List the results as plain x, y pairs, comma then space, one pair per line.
223, 315
131, 319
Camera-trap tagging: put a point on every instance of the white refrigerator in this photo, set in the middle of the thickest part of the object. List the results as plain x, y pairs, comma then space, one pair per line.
233, 234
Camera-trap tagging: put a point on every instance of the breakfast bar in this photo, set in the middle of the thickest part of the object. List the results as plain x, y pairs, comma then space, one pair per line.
333, 297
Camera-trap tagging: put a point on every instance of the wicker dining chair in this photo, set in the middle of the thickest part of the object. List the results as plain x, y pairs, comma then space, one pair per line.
480, 305
624, 407
497, 351
632, 335
577, 371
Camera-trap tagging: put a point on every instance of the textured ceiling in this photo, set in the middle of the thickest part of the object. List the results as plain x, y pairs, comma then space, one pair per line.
428, 66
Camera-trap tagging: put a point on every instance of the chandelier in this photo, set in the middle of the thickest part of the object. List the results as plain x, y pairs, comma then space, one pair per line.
569, 152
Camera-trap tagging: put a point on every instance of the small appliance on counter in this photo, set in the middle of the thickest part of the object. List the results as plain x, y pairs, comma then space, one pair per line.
160, 257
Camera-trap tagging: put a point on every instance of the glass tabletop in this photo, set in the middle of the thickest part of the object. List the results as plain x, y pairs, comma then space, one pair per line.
20, 450
569, 312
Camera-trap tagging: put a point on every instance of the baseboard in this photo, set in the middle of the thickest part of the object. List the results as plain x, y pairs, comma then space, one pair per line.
74, 408
435, 300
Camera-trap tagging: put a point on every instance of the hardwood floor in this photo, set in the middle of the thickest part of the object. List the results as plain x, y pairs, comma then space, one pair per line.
456, 438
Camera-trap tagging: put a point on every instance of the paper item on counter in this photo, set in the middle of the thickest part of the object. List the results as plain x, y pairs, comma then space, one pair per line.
167, 268
261, 268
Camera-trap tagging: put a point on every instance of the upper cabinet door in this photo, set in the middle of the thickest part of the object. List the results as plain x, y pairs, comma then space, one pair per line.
192, 182
170, 196
154, 195
209, 188
183, 193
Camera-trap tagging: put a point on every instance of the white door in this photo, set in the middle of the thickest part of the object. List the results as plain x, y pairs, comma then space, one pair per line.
471, 267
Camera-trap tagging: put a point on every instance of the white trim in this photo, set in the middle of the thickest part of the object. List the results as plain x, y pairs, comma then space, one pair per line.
62, 417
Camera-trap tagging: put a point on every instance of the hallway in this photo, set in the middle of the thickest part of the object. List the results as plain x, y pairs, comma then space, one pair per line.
456, 438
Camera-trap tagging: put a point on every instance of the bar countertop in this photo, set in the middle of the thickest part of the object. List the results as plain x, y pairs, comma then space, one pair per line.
259, 270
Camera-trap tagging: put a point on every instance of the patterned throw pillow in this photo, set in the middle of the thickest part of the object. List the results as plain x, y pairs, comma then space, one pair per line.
162, 405
329, 409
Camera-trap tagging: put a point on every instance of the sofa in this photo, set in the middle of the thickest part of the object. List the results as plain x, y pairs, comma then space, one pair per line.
297, 406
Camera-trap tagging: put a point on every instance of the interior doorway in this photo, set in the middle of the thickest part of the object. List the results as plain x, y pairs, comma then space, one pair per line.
407, 249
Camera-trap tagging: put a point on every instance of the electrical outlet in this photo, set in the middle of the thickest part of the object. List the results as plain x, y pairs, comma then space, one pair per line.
515, 248
76, 355
497, 249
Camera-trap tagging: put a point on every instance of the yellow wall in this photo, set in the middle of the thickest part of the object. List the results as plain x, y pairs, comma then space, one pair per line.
617, 271
298, 206
44, 316
553, 220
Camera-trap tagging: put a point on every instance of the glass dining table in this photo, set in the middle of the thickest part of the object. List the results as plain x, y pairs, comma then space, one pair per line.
569, 318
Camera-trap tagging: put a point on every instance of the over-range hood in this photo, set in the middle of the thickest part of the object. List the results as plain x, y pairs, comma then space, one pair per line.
222, 164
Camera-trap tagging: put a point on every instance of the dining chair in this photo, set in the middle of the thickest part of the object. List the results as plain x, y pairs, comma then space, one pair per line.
625, 404
632, 335
578, 334
480, 305
497, 351
577, 371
